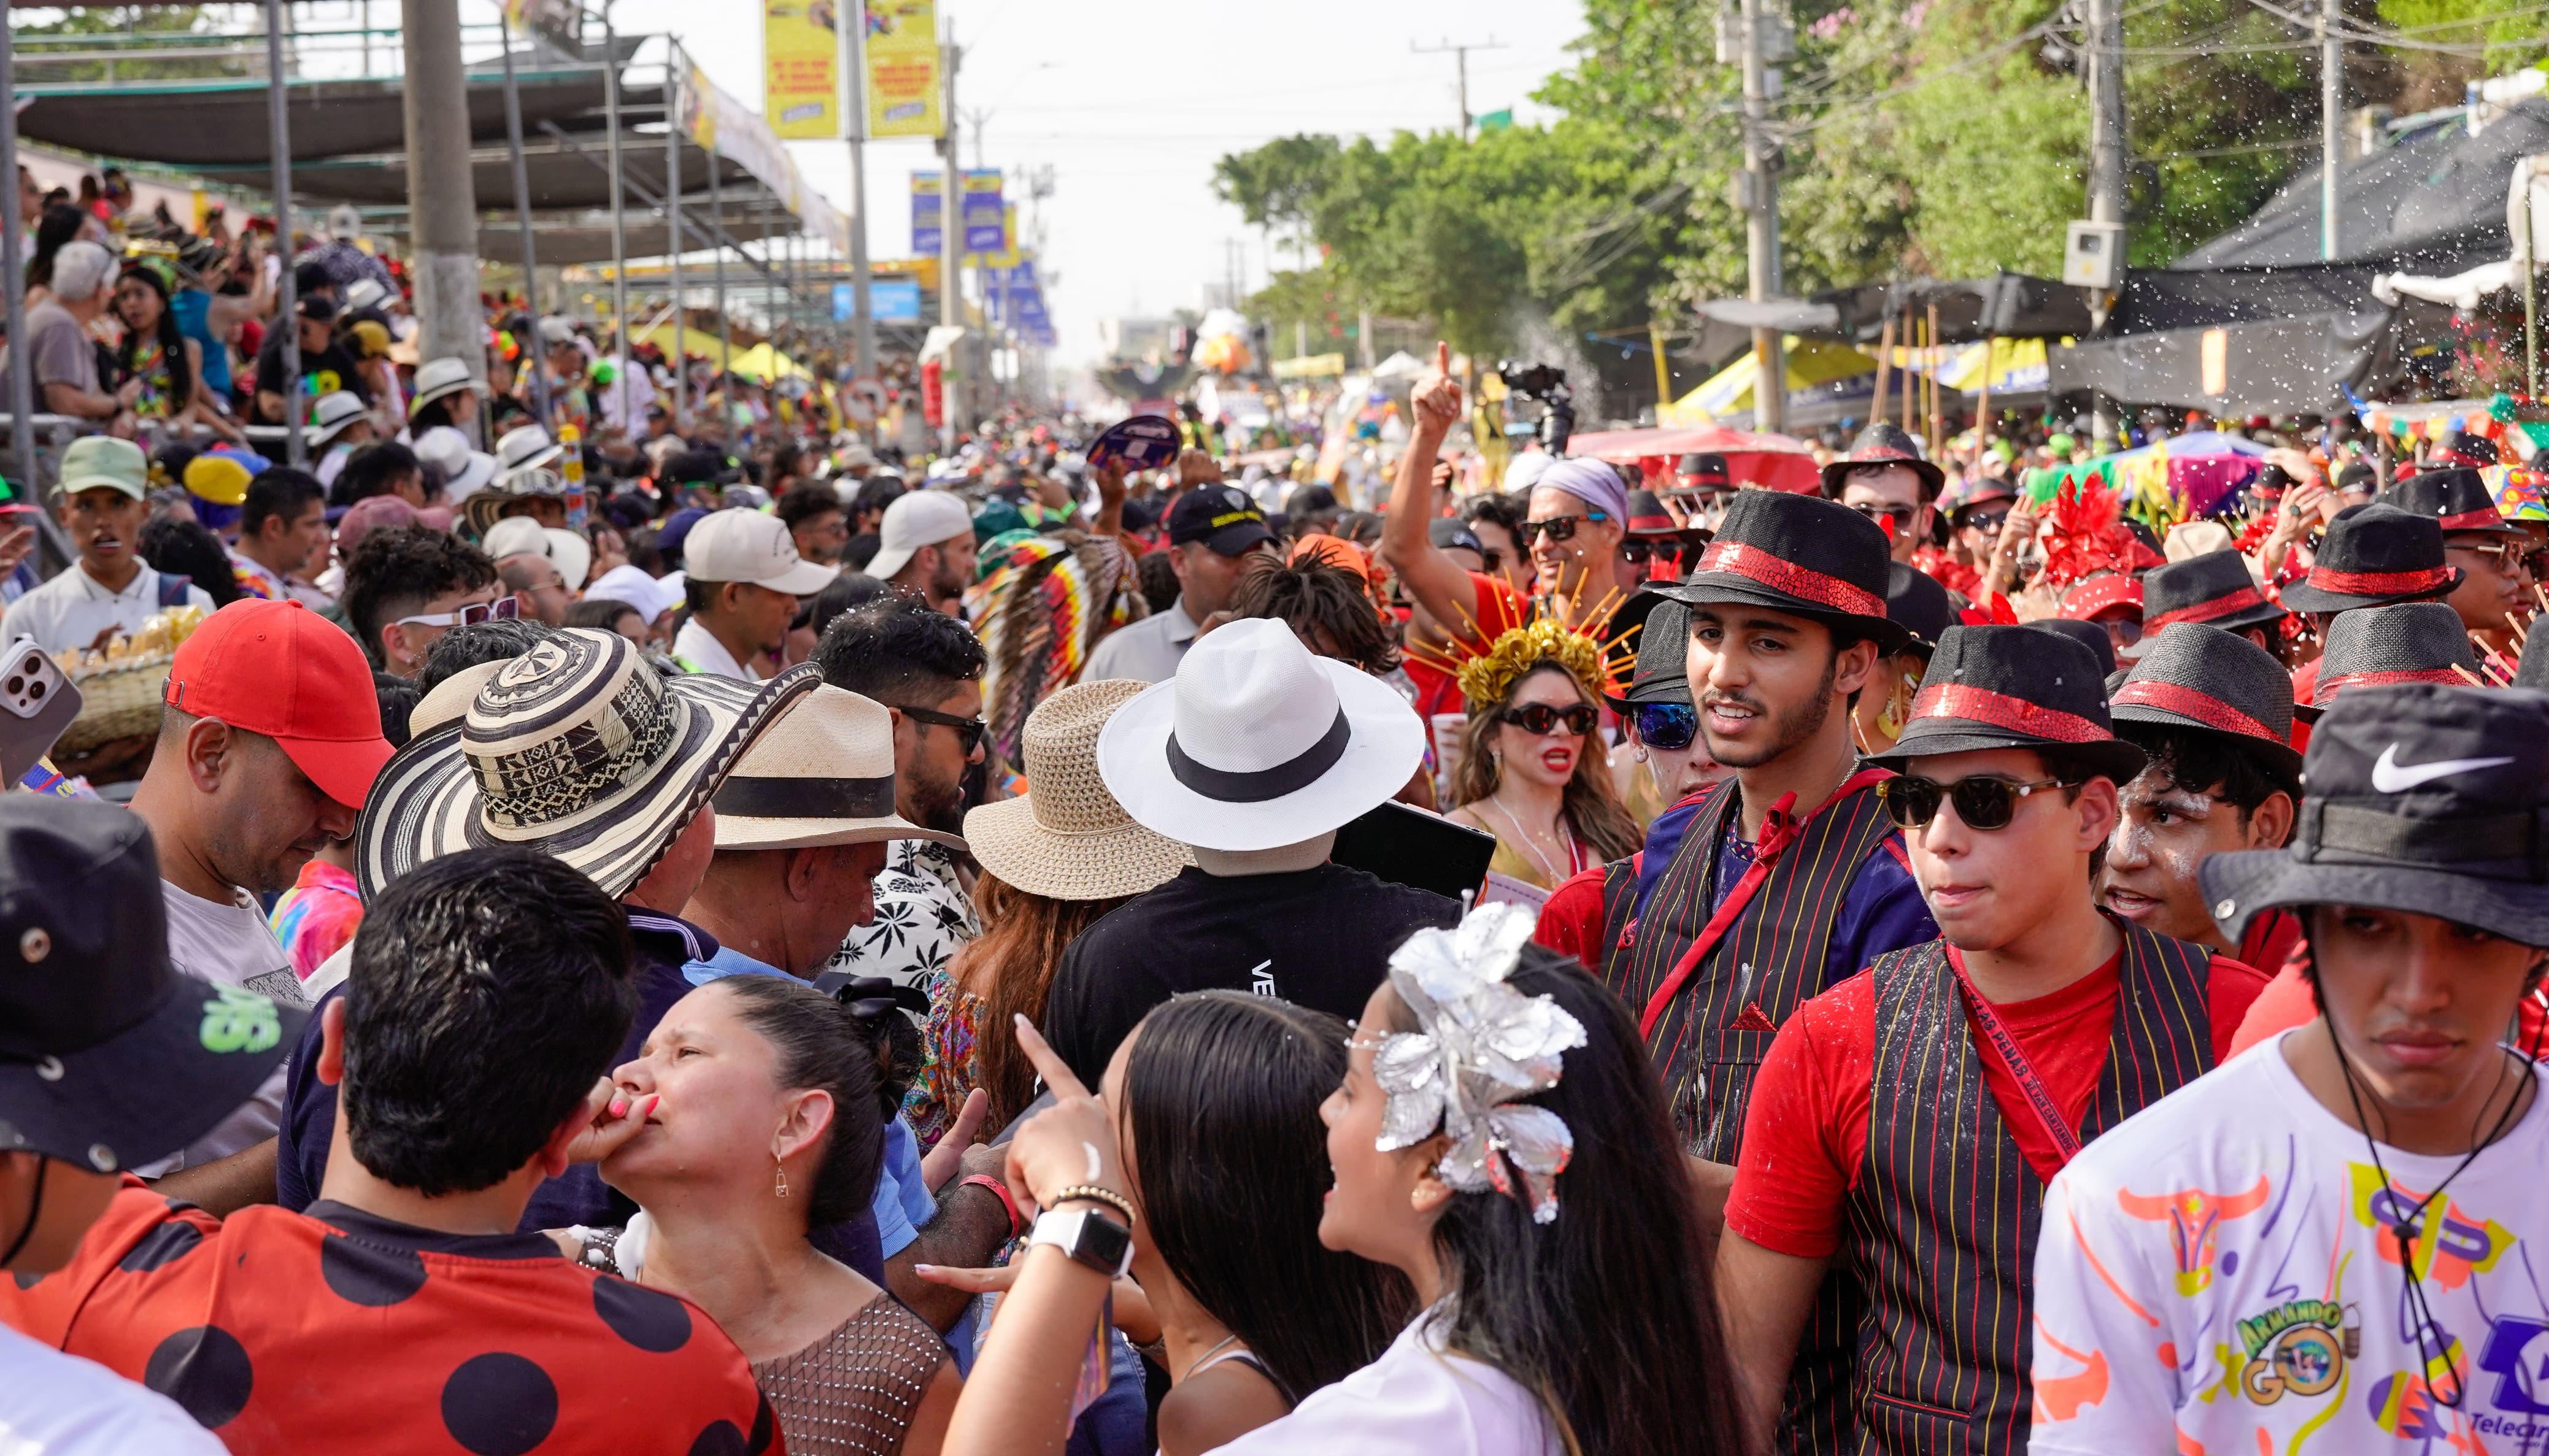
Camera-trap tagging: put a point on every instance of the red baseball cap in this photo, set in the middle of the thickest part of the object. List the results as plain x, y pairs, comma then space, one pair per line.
279, 669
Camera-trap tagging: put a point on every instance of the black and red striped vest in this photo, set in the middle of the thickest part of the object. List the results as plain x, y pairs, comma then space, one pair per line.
1943, 1220
1711, 1037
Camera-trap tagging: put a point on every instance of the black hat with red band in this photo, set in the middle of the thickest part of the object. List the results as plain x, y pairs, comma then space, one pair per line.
1648, 516
2197, 676
2412, 642
2213, 589
2373, 556
1885, 444
2455, 498
1702, 472
1801, 555
1996, 688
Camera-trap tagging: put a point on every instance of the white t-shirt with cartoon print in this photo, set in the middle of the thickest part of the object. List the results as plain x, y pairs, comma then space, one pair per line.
2217, 1275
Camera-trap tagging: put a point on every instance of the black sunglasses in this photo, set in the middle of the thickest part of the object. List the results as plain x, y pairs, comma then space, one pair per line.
1540, 717
971, 730
1981, 802
1559, 527
1872, 511
1988, 523
1638, 553
1667, 725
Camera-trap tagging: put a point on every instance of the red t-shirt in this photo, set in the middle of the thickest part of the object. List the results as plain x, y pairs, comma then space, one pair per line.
1805, 1137
336, 1330
1571, 920
1500, 609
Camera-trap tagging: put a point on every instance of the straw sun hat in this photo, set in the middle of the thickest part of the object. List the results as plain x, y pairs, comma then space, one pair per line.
1067, 838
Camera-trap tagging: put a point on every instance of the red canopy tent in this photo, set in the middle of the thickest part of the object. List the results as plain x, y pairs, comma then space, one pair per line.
1774, 461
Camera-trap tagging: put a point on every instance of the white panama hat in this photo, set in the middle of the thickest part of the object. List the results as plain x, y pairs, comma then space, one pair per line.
1257, 743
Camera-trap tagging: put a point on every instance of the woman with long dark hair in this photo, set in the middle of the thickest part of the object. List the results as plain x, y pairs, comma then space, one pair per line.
170, 365
1500, 1138
1532, 768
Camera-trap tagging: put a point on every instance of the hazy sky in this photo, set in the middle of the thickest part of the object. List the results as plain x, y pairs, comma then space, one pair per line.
1131, 101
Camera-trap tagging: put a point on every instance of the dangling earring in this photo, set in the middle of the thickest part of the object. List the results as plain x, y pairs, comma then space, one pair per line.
783, 1179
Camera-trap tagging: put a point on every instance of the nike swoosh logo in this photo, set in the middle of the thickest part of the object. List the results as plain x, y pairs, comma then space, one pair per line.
2389, 776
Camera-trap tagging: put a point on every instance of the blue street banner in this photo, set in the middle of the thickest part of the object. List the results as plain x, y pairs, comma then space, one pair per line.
889, 300
985, 229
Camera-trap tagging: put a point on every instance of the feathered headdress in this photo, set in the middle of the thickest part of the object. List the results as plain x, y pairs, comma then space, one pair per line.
2085, 533
1481, 1048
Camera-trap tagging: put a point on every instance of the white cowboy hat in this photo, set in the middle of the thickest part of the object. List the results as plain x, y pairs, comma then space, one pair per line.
436, 378
526, 448
1067, 838
576, 748
822, 775
519, 535
1255, 743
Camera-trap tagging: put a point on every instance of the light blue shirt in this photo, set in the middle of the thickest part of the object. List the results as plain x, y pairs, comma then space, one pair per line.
903, 1202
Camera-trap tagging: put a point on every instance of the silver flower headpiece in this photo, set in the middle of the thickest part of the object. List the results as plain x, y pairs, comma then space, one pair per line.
1483, 1045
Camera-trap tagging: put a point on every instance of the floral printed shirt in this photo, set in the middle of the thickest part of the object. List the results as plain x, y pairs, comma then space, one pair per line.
922, 915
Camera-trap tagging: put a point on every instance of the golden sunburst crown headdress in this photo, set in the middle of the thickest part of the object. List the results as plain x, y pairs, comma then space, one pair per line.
1596, 665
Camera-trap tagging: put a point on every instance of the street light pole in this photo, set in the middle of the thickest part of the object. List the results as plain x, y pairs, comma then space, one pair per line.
533, 348
863, 316
278, 124
441, 197
618, 219
1760, 183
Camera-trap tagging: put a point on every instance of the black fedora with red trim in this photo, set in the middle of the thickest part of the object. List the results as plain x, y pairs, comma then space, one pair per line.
2455, 498
1885, 444
1703, 472
2194, 676
2373, 556
2213, 589
1648, 516
2384, 646
1801, 555
1995, 688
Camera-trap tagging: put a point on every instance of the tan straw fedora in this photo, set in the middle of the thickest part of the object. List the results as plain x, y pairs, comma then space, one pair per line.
821, 773
1067, 838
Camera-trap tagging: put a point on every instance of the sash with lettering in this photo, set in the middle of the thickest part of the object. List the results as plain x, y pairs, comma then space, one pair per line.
1943, 1220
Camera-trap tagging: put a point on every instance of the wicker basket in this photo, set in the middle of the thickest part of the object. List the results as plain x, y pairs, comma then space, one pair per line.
122, 701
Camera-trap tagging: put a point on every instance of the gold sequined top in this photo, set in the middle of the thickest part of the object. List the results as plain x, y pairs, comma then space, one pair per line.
853, 1392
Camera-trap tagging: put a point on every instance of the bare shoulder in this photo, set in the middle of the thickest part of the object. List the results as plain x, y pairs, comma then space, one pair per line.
1207, 1412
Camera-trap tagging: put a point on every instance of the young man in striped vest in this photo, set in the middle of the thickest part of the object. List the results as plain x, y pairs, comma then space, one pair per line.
1906, 1123
1789, 878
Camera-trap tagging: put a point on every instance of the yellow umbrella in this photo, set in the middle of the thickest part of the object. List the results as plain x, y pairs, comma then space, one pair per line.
1729, 390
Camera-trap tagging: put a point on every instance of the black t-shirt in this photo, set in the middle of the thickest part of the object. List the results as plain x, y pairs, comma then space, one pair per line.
325, 372
1319, 938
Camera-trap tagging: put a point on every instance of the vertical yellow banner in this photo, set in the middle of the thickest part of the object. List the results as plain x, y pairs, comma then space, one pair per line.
903, 91
800, 80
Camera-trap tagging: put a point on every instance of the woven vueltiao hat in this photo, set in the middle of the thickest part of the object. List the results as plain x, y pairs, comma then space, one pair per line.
2426, 799
2213, 589
1993, 687
2199, 676
2384, 646
1067, 838
821, 774
2455, 498
1797, 554
2372, 556
576, 748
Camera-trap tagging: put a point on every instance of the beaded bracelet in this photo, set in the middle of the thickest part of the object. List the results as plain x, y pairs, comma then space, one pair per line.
1094, 1194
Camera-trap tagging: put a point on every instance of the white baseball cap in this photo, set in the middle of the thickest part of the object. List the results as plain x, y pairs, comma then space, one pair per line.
740, 545
916, 519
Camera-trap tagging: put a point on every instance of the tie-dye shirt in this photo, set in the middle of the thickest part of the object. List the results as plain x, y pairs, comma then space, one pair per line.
317, 915
2218, 1277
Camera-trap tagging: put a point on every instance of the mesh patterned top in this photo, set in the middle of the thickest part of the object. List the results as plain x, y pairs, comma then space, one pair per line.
853, 1392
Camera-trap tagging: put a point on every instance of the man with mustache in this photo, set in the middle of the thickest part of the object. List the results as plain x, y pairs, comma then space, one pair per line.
1789, 878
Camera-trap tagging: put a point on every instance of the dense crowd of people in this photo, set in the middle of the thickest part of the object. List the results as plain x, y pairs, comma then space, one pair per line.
681, 924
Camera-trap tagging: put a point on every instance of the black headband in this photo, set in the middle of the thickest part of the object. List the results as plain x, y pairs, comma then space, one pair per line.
805, 798
1258, 785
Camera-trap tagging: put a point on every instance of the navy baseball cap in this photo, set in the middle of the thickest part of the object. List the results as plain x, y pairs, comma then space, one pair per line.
1220, 517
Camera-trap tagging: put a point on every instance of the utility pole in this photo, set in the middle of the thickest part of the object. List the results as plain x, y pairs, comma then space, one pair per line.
1461, 59
618, 223
1765, 40
296, 446
855, 112
2106, 58
674, 241
535, 352
2331, 124
441, 203
951, 251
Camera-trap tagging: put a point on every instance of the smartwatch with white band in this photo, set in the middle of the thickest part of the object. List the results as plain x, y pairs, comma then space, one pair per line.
1090, 1237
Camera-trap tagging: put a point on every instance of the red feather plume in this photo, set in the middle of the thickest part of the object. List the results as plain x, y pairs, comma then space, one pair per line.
2085, 533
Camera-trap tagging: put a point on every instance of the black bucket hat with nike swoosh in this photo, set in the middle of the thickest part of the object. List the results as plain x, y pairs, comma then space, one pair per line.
2423, 798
